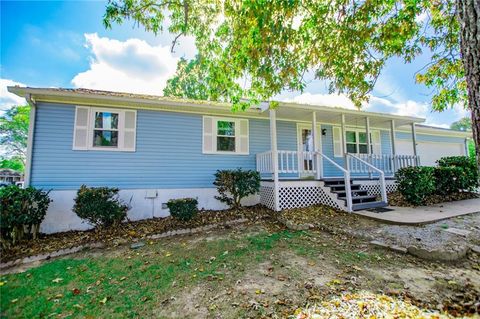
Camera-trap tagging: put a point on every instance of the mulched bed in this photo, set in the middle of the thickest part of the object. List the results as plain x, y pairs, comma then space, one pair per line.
396, 199
129, 231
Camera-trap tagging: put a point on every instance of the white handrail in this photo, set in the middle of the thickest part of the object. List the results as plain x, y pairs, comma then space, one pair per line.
346, 178
387, 162
383, 189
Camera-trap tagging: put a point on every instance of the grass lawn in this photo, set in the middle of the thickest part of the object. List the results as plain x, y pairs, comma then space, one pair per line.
253, 271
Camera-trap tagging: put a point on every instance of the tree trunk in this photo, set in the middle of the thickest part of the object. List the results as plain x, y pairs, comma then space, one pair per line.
469, 19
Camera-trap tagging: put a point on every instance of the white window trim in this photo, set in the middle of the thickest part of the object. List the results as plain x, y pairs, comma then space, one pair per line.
357, 130
357, 140
237, 136
121, 129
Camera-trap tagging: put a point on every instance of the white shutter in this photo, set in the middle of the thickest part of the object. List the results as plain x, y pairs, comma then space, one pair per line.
337, 142
376, 142
243, 137
129, 131
80, 131
209, 126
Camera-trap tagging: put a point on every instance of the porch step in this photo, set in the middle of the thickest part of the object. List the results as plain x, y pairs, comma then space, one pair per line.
360, 199
341, 187
335, 181
369, 205
354, 193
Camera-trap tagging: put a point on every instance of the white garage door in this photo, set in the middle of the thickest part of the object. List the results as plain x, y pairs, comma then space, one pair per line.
429, 152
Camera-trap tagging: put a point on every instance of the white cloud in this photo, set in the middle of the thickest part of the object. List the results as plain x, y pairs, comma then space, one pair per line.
406, 108
129, 66
332, 100
8, 99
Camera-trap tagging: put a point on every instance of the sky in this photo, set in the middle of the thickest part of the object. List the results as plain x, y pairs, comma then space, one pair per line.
64, 44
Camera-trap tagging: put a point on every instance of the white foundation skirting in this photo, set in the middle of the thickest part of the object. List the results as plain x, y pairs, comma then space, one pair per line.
145, 203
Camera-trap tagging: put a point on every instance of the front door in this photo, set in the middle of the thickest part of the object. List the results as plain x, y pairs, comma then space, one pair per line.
305, 145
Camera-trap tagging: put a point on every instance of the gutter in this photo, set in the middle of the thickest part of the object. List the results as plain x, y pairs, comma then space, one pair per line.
31, 129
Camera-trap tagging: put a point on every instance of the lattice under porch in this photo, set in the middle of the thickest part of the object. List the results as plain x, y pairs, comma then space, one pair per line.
298, 193
304, 193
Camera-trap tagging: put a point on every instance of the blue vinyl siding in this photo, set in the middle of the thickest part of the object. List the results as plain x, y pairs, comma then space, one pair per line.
168, 152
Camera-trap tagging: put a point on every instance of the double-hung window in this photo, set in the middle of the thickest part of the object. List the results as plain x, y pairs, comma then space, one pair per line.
225, 135
104, 129
356, 142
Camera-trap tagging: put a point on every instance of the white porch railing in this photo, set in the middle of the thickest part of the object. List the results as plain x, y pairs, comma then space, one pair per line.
389, 164
357, 161
288, 162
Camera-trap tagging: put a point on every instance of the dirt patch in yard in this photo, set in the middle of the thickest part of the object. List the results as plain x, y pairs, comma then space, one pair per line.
253, 271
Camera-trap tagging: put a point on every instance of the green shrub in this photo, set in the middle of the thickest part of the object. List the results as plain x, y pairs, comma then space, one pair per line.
450, 180
416, 183
233, 185
100, 206
21, 213
456, 173
183, 208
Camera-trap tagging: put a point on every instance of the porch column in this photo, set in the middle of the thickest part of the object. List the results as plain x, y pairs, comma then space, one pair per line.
414, 141
316, 157
367, 129
394, 152
274, 150
344, 142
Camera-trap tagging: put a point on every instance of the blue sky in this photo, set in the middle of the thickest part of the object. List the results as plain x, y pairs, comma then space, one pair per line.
64, 44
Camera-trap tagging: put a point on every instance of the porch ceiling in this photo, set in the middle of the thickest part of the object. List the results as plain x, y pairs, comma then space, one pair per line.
331, 115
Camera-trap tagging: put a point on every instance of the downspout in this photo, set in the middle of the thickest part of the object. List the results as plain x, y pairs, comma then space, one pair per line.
31, 128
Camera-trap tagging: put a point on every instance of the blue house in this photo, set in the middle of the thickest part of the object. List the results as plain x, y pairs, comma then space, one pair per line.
156, 148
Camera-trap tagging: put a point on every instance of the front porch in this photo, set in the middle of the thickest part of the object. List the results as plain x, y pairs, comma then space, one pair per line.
337, 161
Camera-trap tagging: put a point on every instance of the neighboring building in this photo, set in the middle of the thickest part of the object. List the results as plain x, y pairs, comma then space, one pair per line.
157, 148
10, 176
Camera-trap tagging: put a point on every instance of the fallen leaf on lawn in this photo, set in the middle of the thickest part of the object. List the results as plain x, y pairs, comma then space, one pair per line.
311, 263
2, 283
168, 254
123, 278
58, 296
103, 301
14, 300
76, 291
77, 306
57, 280
259, 291
357, 268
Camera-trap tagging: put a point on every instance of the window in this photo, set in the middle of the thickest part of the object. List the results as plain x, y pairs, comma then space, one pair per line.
356, 141
104, 129
105, 133
225, 136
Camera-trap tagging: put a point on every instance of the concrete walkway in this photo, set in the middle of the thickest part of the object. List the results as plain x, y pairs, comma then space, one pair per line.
425, 214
